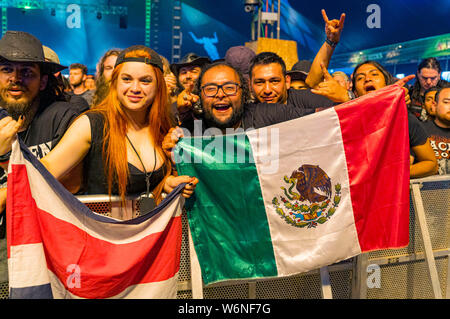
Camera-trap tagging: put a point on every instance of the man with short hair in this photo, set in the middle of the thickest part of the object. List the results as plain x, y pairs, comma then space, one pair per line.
270, 82
428, 112
225, 101
77, 78
29, 94
268, 79
438, 130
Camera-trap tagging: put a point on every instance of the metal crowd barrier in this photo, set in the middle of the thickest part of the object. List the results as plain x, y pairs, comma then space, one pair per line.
420, 270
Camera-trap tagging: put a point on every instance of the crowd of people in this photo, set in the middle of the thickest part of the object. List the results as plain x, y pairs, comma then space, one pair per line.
81, 127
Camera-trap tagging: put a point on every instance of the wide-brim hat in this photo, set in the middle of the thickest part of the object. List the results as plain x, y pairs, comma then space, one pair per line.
50, 55
19, 46
187, 60
300, 70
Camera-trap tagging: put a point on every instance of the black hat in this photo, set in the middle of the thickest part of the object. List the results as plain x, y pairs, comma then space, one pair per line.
300, 70
19, 46
189, 59
155, 58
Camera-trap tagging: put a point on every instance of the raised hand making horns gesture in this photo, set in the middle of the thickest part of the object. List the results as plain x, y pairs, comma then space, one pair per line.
333, 28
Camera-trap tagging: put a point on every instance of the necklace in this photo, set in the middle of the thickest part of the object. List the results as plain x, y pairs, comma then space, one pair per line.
147, 175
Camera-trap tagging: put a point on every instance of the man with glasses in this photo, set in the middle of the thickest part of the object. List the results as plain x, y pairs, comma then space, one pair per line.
225, 100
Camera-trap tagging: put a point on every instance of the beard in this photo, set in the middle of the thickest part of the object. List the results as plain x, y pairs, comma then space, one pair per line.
444, 119
77, 83
234, 119
16, 109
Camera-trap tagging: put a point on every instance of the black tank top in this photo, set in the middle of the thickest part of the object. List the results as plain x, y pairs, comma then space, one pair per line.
95, 181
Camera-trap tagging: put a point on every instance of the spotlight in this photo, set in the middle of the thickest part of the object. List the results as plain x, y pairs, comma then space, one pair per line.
251, 5
99, 15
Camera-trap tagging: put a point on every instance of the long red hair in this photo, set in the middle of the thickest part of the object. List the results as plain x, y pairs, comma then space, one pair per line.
115, 130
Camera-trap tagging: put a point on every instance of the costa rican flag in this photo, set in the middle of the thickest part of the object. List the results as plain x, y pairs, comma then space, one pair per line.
58, 248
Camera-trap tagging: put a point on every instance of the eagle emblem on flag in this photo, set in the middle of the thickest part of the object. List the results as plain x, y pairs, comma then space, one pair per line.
312, 201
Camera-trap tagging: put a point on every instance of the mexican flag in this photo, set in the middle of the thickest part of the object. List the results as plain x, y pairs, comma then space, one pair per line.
302, 194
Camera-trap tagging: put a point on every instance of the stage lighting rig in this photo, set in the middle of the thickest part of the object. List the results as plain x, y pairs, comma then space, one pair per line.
251, 5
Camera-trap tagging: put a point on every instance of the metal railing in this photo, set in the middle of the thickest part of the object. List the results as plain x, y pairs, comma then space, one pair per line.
420, 270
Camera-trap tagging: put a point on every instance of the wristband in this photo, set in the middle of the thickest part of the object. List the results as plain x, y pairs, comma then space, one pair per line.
5, 157
331, 43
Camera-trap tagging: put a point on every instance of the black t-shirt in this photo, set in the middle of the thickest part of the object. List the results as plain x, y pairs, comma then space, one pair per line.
310, 102
46, 130
79, 102
95, 181
299, 103
417, 133
255, 116
88, 95
440, 142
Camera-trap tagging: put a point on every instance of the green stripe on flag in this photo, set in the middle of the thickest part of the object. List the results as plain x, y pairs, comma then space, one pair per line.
226, 214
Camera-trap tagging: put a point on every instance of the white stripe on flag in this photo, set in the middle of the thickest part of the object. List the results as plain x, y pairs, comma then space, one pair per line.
26, 260
315, 139
166, 289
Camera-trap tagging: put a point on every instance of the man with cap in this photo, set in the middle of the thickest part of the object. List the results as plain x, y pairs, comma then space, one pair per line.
298, 74
30, 94
240, 58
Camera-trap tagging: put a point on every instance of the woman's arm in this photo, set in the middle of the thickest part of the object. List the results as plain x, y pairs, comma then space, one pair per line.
71, 150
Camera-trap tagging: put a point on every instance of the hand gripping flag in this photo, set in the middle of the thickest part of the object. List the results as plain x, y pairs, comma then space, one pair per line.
302, 194
58, 248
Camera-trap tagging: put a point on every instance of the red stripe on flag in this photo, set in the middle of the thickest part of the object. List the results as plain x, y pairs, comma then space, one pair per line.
22, 225
105, 268
376, 142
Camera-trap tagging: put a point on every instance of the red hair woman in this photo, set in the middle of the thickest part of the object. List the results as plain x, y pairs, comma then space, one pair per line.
119, 140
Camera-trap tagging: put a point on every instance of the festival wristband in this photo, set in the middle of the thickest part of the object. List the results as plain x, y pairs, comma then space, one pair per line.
331, 43
5, 157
